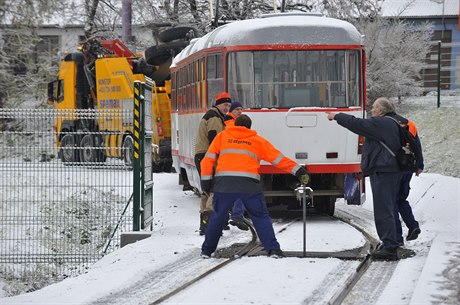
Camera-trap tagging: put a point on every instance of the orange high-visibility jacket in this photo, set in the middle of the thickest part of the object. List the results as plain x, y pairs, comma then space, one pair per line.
412, 128
229, 119
238, 152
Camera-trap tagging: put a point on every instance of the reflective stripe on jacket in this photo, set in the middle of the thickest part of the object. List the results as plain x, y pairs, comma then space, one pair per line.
239, 151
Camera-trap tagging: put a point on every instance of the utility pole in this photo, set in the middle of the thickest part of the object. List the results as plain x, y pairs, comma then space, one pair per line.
126, 23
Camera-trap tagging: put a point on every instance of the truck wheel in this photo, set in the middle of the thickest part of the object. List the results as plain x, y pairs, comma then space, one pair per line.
175, 33
100, 152
325, 204
88, 151
128, 151
156, 56
67, 150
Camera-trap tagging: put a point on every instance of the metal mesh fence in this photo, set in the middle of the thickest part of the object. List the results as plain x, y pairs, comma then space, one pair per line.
62, 208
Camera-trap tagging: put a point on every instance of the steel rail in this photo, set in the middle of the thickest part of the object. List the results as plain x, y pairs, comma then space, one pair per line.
240, 253
252, 248
351, 281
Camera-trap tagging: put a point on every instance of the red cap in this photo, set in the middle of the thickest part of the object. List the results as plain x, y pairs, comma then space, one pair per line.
223, 97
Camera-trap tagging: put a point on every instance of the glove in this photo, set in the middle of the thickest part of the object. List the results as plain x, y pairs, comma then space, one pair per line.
302, 175
304, 179
206, 186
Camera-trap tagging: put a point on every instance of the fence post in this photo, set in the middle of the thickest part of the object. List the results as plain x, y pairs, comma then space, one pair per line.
138, 99
146, 168
439, 73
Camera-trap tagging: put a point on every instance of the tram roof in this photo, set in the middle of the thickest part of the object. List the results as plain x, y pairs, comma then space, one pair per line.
283, 28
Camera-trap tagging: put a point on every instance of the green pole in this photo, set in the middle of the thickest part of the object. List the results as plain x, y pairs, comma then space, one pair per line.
137, 155
142, 160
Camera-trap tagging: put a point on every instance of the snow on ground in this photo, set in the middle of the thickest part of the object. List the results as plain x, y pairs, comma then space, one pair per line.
431, 277
439, 130
425, 279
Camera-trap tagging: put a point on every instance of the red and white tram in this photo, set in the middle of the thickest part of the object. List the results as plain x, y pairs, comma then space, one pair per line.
287, 70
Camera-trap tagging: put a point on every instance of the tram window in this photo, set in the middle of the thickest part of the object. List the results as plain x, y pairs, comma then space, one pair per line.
196, 85
202, 83
214, 75
174, 91
240, 78
353, 72
211, 66
202, 71
295, 78
190, 84
219, 66
183, 74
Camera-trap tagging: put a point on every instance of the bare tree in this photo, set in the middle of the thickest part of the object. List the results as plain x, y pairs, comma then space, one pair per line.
395, 49
101, 17
90, 9
20, 62
351, 10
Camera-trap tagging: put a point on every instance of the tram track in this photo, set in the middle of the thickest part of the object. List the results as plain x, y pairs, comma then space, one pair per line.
245, 249
349, 272
334, 289
178, 275
228, 255
375, 273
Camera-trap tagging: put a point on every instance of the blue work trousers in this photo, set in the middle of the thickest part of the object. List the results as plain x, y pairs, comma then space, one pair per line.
257, 209
238, 210
403, 208
385, 188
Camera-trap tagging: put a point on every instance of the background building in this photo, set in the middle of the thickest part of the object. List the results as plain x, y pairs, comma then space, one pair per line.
444, 15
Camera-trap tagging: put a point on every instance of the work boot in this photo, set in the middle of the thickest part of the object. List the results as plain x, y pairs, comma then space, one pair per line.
205, 254
413, 234
276, 253
240, 224
385, 254
405, 253
204, 220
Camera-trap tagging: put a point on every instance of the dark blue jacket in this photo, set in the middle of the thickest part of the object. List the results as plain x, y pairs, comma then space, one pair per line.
375, 158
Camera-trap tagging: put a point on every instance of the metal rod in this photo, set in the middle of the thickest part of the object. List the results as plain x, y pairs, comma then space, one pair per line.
120, 219
304, 216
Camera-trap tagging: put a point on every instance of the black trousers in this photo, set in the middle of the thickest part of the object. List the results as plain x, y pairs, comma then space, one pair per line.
385, 188
198, 158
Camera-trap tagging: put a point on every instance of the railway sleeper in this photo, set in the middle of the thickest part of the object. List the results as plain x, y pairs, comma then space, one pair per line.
351, 254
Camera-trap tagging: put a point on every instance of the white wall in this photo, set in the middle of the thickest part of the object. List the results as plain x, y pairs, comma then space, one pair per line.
69, 37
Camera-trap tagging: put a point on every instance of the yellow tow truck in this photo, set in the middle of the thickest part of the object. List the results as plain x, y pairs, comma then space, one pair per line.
93, 95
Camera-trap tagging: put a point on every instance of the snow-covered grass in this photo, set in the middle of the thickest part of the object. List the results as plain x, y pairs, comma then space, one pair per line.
438, 128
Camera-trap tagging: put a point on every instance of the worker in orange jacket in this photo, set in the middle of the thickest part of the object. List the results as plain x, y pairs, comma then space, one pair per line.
238, 151
236, 109
237, 214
